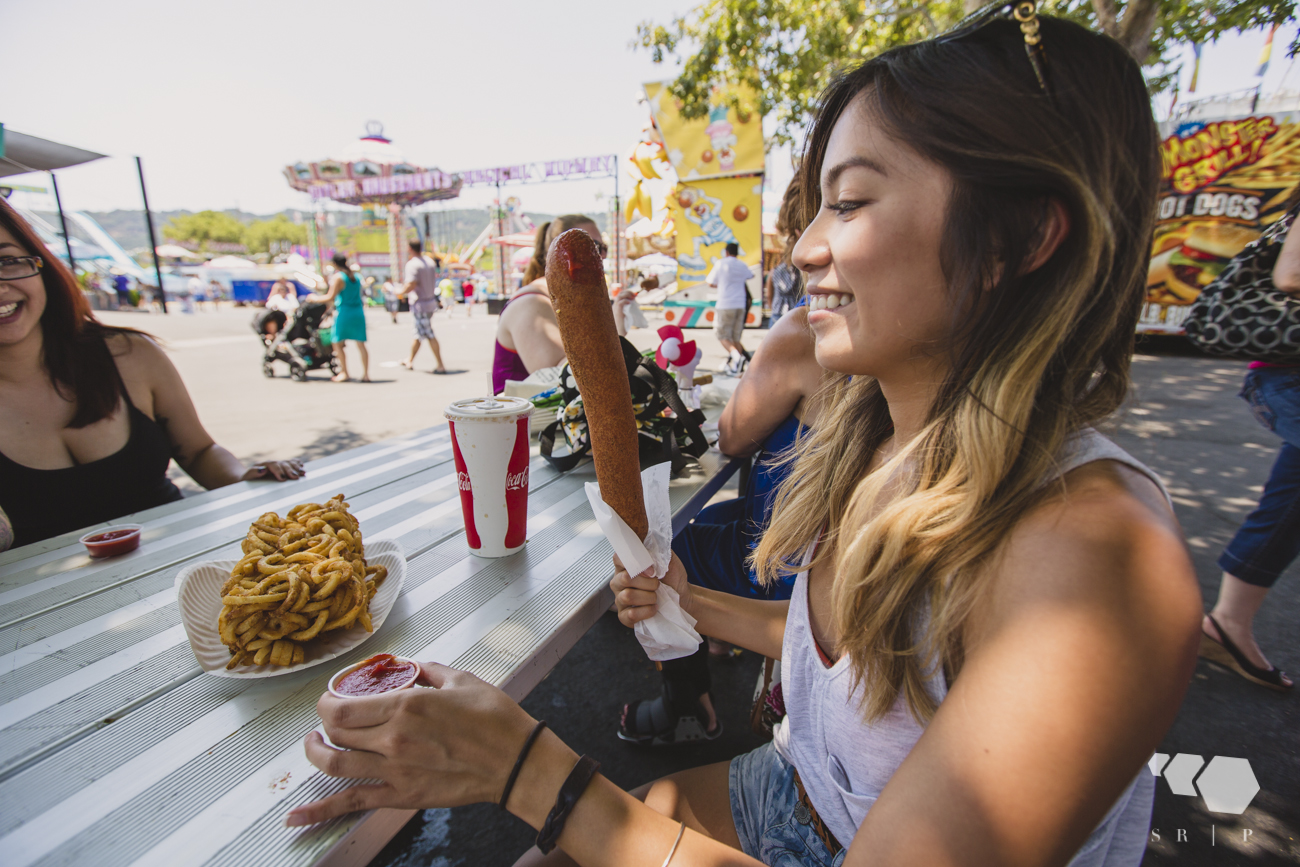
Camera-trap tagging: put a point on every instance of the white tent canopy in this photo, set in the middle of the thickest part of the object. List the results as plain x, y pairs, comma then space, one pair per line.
26, 153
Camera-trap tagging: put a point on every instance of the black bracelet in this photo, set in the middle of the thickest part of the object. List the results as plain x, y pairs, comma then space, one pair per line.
519, 762
570, 792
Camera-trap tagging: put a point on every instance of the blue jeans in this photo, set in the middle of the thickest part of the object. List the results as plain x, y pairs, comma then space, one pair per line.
1269, 540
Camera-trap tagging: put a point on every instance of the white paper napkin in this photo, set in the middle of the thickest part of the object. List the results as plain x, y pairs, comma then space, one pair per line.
670, 634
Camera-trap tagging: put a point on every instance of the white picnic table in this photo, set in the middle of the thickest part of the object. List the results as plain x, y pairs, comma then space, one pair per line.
117, 749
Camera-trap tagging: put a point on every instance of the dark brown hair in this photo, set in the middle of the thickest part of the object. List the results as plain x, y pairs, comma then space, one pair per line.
74, 350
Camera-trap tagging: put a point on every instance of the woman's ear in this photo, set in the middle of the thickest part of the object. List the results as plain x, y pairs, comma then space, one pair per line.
1056, 226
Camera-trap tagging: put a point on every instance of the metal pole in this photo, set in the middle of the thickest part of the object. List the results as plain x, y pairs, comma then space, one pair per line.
63, 221
501, 262
153, 242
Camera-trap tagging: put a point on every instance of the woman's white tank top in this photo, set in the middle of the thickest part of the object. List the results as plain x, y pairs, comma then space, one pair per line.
845, 762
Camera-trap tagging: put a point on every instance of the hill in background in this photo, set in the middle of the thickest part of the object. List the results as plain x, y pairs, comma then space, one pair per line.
448, 228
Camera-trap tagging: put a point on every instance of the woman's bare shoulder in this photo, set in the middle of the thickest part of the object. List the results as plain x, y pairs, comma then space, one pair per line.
1106, 535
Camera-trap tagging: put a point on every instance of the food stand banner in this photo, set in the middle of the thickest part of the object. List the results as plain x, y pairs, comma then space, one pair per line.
727, 142
711, 214
1222, 182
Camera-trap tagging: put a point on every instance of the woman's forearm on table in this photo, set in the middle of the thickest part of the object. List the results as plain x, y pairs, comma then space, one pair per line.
607, 826
754, 624
215, 467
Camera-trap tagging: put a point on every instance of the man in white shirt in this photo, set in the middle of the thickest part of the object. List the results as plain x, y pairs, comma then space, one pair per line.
728, 276
422, 289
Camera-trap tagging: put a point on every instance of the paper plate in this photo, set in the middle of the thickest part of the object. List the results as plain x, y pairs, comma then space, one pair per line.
198, 595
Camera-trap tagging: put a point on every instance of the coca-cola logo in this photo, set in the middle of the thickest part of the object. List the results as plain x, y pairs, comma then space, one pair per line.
462, 480
517, 481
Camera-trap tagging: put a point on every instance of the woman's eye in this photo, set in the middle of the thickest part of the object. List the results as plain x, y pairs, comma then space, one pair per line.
844, 206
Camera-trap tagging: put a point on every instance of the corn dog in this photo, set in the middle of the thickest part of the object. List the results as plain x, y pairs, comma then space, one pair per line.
576, 281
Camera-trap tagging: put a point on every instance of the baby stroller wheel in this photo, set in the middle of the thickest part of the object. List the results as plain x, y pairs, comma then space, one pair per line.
298, 372
268, 370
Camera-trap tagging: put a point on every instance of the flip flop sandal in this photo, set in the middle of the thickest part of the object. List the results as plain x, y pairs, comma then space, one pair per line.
1225, 653
650, 724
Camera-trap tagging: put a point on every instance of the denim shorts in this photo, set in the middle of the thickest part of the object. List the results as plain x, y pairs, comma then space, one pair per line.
1269, 539
763, 797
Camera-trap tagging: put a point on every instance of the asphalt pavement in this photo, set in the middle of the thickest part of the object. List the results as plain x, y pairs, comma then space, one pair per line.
1183, 419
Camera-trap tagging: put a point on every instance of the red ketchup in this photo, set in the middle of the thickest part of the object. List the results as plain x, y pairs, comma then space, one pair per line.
379, 673
112, 542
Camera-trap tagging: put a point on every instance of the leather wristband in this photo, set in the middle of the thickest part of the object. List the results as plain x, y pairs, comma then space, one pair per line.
574, 785
519, 762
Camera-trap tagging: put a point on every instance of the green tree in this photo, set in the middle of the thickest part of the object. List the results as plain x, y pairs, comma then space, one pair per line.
260, 234
203, 227
788, 51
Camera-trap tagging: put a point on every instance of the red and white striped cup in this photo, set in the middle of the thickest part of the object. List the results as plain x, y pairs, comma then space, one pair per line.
489, 438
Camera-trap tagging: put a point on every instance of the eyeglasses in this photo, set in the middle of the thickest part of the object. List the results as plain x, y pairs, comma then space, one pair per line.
20, 267
1025, 13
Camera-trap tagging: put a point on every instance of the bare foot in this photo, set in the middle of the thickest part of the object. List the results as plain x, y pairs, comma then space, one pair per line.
408, 365
342, 377
365, 379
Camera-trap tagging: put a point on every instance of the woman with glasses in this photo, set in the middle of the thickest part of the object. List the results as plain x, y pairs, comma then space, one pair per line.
994, 616
90, 415
528, 337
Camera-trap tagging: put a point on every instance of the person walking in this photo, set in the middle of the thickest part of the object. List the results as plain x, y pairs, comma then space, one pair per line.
1269, 539
422, 286
728, 277
349, 317
122, 286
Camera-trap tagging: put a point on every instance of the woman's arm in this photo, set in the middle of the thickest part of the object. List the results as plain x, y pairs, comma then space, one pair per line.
456, 744
754, 624
335, 286
778, 382
1286, 273
1076, 666
193, 448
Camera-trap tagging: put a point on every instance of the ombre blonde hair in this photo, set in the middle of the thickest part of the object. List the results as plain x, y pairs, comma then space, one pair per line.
1037, 354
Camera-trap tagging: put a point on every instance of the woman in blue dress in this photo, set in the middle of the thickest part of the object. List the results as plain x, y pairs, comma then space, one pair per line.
349, 317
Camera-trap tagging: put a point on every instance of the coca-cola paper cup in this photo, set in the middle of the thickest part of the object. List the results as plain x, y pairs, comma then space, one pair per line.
489, 438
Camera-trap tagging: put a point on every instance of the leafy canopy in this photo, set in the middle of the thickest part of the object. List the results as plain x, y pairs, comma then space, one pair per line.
788, 51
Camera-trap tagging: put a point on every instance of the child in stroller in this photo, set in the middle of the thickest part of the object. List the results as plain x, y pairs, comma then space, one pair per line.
303, 345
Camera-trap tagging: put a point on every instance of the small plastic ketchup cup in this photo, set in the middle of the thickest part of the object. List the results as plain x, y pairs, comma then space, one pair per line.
113, 541
382, 672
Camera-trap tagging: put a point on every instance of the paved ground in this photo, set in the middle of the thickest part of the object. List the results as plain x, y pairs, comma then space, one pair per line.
258, 418
1184, 420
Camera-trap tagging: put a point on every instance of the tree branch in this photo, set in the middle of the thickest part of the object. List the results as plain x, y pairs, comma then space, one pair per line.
1105, 10
1135, 30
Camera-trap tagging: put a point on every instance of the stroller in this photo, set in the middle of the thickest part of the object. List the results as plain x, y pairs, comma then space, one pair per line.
302, 344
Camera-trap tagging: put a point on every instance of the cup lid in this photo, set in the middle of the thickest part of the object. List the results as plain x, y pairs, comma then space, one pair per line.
489, 408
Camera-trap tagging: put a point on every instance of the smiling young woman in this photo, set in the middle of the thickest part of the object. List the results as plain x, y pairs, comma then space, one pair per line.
994, 617
92, 414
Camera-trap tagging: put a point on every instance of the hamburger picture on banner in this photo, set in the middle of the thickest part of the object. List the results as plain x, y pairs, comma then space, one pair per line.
1194, 261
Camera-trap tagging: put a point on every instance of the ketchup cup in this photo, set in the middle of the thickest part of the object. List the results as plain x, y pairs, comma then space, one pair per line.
112, 541
381, 673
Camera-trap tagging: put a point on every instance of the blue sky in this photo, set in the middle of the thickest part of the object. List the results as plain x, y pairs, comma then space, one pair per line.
217, 98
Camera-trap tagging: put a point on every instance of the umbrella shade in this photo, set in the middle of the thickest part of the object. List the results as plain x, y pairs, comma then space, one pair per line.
516, 239
27, 153
656, 262
175, 251
230, 262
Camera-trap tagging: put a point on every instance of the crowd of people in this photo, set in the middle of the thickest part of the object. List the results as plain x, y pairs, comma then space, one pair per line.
969, 237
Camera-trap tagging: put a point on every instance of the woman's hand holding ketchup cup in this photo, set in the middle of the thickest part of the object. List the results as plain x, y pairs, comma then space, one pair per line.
439, 747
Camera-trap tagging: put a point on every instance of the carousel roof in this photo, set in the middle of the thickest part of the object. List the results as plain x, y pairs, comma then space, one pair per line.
372, 169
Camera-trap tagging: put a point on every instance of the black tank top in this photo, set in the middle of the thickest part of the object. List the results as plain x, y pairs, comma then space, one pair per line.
45, 503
